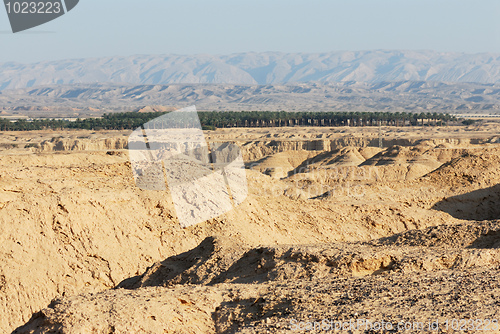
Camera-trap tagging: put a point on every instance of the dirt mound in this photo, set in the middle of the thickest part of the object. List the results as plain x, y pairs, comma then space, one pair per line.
220, 260
477, 234
345, 157
480, 169
392, 164
200, 265
219, 287
151, 310
281, 164
398, 155
481, 204
369, 152
412, 301
408, 162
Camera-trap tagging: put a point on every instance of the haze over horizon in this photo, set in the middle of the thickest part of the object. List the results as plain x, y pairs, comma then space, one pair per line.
232, 54
266, 68
98, 29
370, 80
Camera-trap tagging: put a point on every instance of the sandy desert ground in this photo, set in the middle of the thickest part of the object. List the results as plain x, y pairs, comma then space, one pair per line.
334, 228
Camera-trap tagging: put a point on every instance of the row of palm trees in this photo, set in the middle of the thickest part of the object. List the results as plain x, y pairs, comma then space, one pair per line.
279, 119
213, 119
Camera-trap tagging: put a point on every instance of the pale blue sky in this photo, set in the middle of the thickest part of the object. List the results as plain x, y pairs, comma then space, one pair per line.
97, 28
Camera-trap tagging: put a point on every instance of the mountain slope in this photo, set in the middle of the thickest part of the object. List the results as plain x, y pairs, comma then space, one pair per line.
259, 68
460, 98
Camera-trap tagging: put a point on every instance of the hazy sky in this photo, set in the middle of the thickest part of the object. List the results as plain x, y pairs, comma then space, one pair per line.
98, 28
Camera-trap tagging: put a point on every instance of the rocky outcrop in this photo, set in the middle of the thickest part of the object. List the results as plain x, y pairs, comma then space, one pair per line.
222, 287
69, 144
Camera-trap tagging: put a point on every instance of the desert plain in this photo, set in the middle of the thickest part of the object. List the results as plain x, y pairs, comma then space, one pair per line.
373, 226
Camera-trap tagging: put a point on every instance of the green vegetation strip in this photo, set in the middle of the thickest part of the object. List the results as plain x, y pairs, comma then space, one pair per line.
211, 120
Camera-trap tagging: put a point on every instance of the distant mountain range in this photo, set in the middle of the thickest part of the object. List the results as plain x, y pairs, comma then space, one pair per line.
258, 69
413, 96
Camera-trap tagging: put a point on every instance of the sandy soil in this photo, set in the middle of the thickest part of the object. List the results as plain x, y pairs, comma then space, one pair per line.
334, 228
